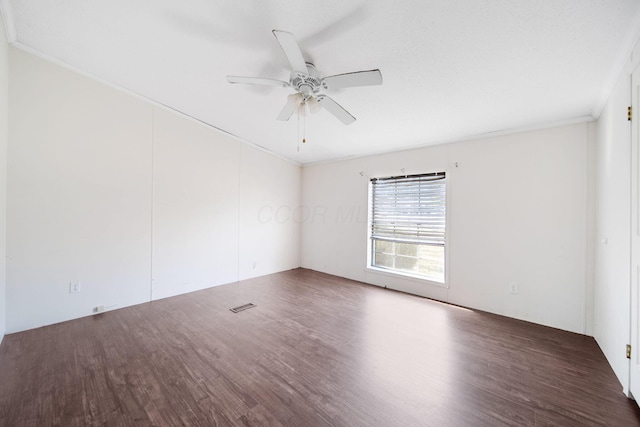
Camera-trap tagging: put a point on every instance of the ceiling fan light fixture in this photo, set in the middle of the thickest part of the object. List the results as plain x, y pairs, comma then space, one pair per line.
294, 98
313, 104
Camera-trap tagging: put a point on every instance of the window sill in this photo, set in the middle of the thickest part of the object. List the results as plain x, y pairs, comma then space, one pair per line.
407, 276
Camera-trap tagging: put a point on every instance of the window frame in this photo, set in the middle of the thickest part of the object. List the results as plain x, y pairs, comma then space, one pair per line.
405, 274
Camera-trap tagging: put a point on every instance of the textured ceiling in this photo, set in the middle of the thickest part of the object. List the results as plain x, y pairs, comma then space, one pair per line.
451, 69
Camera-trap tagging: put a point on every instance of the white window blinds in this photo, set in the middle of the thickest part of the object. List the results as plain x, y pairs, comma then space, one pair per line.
409, 209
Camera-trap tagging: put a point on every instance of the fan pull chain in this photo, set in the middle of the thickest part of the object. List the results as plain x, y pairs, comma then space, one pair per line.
304, 127
298, 128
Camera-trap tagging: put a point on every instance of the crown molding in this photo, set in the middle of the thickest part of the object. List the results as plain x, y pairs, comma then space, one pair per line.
7, 18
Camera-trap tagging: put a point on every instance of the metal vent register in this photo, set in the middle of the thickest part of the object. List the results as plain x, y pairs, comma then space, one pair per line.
242, 307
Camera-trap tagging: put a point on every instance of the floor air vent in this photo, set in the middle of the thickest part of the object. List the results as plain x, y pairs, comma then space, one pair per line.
242, 307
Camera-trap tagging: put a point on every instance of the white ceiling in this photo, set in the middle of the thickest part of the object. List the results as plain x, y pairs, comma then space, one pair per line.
451, 69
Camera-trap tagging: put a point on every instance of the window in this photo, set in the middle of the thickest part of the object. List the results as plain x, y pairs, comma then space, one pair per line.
408, 223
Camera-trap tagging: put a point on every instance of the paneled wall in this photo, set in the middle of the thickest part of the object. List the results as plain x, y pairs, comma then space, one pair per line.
4, 135
130, 200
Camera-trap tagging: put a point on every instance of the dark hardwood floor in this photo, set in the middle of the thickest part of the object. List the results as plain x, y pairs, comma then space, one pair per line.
317, 350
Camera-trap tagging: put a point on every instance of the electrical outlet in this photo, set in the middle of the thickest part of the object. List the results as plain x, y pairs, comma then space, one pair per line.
98, 309
513, 287
74, 287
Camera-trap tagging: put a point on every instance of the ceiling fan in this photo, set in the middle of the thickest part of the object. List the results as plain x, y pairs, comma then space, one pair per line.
308, 83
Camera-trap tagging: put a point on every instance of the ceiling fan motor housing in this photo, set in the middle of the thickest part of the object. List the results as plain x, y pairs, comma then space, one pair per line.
309, 83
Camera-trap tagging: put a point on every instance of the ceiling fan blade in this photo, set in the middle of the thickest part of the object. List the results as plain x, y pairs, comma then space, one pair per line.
357, 78
293, 102
336, 109
291, 51
257, 81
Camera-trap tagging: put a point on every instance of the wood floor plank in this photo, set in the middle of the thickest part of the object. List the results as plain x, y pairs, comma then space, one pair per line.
317, 350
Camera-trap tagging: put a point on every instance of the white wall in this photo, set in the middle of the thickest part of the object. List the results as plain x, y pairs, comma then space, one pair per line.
517, 212
269, 221
4, 135
195, 206
133, 201
613, 229
222, 211
79, 200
